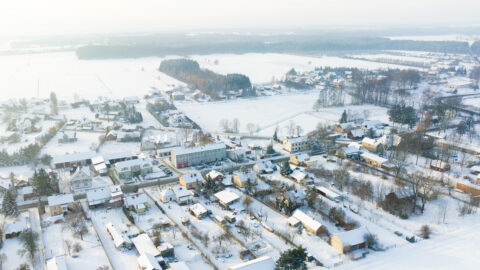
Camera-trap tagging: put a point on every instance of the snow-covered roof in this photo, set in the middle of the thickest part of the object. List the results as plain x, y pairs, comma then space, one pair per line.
297, 139
265, 165
374, 157
73, 157
98, 195
193, 177
213, 174
226, 196
148, 262
57, 263
144, 245
136, 199
81, 173
357, 132
439, 164
60, 199
147, 162
307, 220
115, 190
246, 176
262, 263
353, 237
117, 237
118, 155
167, 193
370, 141
97, 160
198, 209
298, 175
16, 227
179, 266
303, 157
350, 150
328, 192
208, 147
347, 125
293, 221
182, 192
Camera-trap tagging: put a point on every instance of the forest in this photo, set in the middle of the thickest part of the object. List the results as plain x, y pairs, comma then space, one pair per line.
209, 82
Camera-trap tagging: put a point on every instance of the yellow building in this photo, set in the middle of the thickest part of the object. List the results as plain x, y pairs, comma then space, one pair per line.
191, 180
60, 204
240, 180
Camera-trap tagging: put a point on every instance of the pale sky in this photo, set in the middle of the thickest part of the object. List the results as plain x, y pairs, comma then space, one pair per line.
57, 17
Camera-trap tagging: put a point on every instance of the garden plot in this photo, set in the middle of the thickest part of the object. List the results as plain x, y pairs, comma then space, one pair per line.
55, 238
223, 255
25, 139
255, 237
184, 251
10, 249
121, 259
86, 141
263, 67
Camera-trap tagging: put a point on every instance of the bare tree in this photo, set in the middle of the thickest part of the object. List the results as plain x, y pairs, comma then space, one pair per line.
299, 130
186, 132
76, 223
251, 128
291, 128
3, 259
29, 243
236, 125
442, 211
225, 125
68, 244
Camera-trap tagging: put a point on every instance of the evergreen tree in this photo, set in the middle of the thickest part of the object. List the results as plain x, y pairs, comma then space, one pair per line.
286, 170
270, 149
275, 135
9, 204
343, 119
44, 184
54, 103
292, 259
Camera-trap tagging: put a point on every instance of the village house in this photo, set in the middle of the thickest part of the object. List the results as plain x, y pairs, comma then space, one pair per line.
134, 167
300, 159
351, 243
226, 197
112, 158
81, 179
372, 145
99, 166
355, 134
348, 152
15, 228
198, 210
98, 197
263, 167
299, 176
116, 196
376, 160
111, 135
166, 249
193, 156
168, 195
137, 202
308, 223
295, 144
119, 240
214, 175
345, 127
73, 160
466, 186
355, 118
130, 136
241, 179
191, 180
60, 204
390, 140
27, 193
150, 257
439, 165
183, 196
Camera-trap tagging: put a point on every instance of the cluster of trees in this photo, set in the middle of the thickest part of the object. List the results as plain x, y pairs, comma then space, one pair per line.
329, 97
45, 184
232, 127
207, 81
403, 114
131, 114
292, 259
378, 88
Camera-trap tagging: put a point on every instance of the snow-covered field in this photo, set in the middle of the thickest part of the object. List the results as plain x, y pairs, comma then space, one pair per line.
271, 111
30, 75
262, 68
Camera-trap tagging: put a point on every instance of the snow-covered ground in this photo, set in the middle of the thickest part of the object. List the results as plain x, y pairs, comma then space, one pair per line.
32, 75
262, 68
271, 111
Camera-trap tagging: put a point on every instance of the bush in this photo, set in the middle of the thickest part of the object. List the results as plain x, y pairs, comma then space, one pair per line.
425, 231
127, 213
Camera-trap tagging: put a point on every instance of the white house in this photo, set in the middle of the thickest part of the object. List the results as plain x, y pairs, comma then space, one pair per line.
81, 178
168, 195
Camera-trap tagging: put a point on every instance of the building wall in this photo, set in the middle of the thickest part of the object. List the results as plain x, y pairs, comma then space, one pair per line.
336, 243
199, 157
